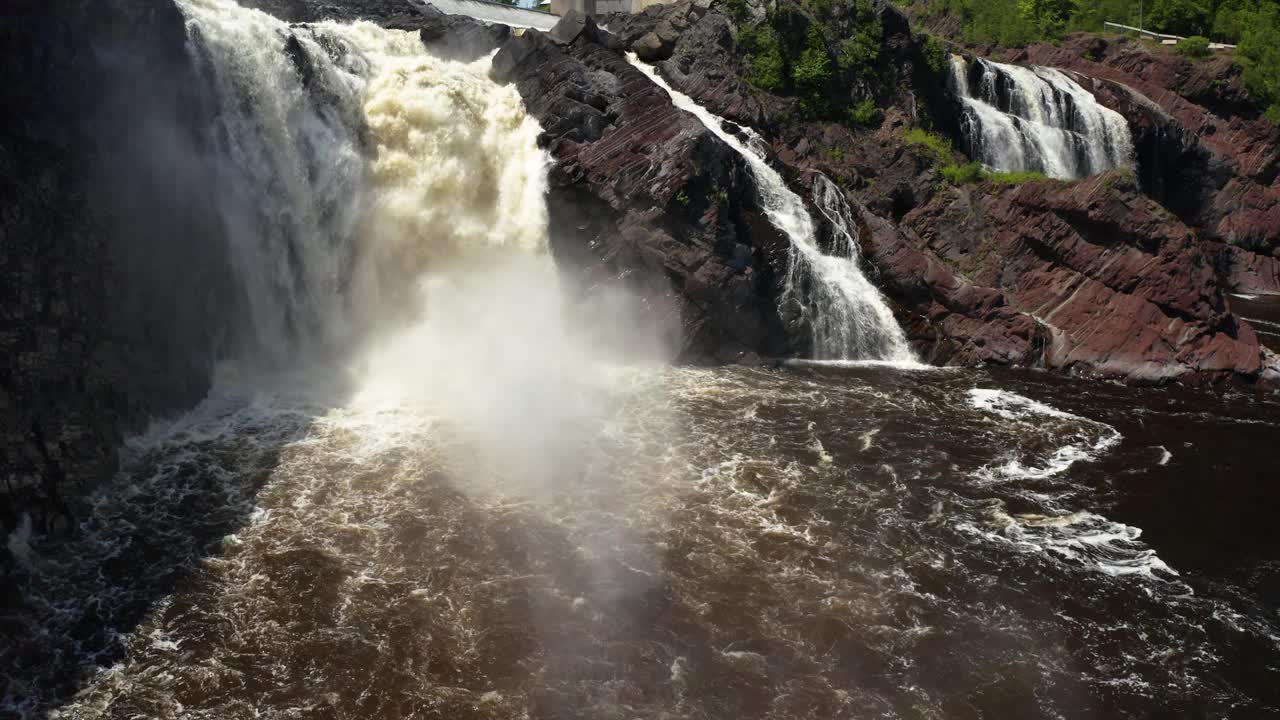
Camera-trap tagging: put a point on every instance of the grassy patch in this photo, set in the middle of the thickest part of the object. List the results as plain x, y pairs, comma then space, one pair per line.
969, 173
931, 144
1016, 178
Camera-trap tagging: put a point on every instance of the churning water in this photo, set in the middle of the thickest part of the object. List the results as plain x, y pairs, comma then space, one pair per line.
473, 514
1038, 119
811, 542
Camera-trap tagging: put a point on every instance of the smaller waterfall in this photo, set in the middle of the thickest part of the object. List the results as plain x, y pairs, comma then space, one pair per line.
1036, 119
849, 318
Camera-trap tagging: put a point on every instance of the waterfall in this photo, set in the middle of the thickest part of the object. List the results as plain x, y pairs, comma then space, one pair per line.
1018, 118
351, 163
849, 318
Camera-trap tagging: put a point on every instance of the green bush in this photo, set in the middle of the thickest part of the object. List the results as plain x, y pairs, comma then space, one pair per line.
1259, 56
766, 68
1196, 46
861, 49
1178, 17
935, 56
1016, 178
968, 173
811, 73
864, 113
963, 174
813, 69
931, 144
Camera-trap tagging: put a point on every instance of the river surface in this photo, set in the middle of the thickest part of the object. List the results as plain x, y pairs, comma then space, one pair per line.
803, 542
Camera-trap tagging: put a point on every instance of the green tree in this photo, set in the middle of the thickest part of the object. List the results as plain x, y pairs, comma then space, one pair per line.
1178, 17
812, 72
1048, 17
1259, 56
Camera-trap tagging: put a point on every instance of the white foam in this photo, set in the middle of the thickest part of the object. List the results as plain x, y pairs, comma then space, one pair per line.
1086, 446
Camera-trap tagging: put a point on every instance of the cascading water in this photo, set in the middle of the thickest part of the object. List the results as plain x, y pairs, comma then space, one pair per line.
352, 162
1036, 119
849, 318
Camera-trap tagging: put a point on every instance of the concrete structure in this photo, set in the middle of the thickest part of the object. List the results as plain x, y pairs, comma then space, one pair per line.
491, 12
600, 7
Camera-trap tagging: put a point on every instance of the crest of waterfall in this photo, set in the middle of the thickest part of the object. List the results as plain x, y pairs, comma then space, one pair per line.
849, 318
350, 163
1017, 118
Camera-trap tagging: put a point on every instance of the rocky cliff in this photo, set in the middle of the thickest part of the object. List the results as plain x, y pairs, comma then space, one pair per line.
114, 278
1203, 151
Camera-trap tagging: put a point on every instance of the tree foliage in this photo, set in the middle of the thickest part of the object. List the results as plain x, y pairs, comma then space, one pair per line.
1260, 57
816, 50
1017, 22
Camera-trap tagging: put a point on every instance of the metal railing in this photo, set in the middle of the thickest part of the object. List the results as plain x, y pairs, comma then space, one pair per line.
1162, 38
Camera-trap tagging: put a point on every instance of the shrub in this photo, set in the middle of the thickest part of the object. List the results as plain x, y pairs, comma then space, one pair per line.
963, 174
859, 51
1016, 178
933, 145
766, 67
735, 9
1195, 46
935, 56
811, 73
864, 113
1259, 55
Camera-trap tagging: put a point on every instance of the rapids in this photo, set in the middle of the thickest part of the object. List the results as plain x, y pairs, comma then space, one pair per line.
804, 542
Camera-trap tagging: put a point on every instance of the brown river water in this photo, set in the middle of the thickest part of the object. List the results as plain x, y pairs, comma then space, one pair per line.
803, 542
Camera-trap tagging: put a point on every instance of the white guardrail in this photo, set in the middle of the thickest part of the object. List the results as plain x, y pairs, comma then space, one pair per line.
1162, 38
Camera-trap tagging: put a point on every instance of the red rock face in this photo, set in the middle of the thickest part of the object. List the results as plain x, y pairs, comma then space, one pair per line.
643, 195
1093, 277
1088, 277
1203, 150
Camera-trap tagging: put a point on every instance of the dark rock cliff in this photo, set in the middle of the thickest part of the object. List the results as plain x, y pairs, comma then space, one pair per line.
114, 275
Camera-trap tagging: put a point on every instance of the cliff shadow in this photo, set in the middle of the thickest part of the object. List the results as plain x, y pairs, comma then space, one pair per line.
185, 487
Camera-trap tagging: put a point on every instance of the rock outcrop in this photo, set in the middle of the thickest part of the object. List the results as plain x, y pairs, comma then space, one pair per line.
643, 194
1088, 277
115, 281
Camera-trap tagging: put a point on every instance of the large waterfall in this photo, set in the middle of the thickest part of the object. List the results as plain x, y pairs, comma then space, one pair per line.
352, 163
849, 318
1036, 119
